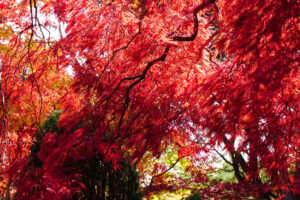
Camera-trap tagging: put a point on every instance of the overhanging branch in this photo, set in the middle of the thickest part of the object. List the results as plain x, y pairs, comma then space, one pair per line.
196, 22
139, 78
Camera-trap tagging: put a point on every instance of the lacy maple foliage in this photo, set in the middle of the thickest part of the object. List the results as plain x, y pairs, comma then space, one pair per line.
145, 75
31, 84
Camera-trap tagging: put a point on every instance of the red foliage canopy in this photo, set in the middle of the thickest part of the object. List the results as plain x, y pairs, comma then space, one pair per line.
147, 74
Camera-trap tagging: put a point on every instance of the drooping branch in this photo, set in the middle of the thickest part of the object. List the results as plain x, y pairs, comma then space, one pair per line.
122, 80
142, 75
139, 78
160, 174
223, 157
120, 49
34, 17
4, 119
196, 22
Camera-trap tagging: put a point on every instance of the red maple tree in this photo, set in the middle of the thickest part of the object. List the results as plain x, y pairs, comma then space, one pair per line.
201, 75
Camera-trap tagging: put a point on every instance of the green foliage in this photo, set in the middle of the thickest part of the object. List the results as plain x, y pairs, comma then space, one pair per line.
195, 196
103, 182
50, 125
99, 177
224, 173
126, 180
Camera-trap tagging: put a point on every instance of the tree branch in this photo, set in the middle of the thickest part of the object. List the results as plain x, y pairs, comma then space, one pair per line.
120, 49
223, 157
139, 78
196, 22
160, 174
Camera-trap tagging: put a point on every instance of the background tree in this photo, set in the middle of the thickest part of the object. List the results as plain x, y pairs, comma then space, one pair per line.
30, 84
99, 179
